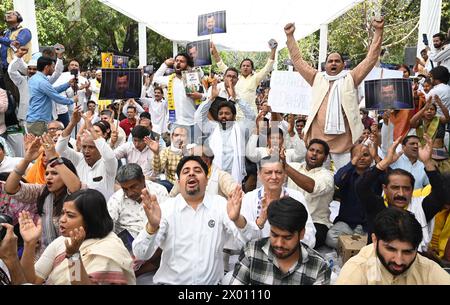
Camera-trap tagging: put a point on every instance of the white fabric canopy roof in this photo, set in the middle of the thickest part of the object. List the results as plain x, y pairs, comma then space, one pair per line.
250, 23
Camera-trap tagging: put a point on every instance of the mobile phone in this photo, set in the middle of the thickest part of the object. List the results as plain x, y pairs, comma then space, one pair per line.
425, 39
273, 43
288, 62
59, 48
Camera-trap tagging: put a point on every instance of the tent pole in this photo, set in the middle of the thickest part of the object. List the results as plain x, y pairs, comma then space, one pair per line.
142, 44
323, 45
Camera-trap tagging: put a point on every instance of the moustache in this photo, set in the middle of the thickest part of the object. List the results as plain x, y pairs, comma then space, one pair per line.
400, 198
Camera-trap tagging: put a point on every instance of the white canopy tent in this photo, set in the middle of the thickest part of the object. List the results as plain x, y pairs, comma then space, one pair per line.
250, 23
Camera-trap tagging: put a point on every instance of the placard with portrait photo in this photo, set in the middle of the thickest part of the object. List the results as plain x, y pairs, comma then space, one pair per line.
200, 52
212, 23
120, 84
393, 93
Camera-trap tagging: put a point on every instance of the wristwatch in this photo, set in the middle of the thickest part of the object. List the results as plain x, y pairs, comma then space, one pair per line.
74, 257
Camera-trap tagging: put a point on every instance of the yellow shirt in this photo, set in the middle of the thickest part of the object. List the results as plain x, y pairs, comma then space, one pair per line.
246, 86
366, 269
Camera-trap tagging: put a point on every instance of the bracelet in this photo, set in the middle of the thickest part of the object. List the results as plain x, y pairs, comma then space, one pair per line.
18, 172
150, 232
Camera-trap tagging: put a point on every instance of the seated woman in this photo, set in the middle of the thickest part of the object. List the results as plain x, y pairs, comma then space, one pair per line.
60, 179
88, 252
427, 122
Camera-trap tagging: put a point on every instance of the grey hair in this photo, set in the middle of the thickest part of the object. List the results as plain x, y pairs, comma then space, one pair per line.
129, 172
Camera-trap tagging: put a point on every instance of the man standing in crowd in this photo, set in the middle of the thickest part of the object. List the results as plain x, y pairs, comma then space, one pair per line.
181, 106
282, 259
20, 73
248, 80
80, 88
334, 114
441, 53
393, 257
13, 38
41, 95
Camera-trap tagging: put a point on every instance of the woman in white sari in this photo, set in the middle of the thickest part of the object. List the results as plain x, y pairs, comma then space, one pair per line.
87, 252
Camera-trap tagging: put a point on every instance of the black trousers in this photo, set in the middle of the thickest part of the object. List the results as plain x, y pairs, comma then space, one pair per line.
321, 234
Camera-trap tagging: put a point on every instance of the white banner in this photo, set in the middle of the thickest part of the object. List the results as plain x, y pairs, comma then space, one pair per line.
289, 93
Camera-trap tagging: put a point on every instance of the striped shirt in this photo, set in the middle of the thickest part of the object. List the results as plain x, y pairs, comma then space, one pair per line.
258, 266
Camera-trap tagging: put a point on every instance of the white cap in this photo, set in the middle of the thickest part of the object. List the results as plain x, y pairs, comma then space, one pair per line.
32, 62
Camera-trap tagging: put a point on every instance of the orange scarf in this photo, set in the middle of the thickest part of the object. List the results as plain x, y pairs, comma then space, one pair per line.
36, 174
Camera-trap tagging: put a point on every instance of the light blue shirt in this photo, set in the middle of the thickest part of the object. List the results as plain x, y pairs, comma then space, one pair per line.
417, 170
42, 93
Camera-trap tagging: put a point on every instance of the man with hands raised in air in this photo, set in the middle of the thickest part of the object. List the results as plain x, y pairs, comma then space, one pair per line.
334, 115
398, 189
191, 229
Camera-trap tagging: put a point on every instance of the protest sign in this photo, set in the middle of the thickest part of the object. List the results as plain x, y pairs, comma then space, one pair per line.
192, 81
394, 93
120, 62
121, 84
212, 23
289, 93
200, 53
107, 59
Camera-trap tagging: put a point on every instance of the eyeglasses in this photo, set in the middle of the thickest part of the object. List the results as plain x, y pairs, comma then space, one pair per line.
55, 128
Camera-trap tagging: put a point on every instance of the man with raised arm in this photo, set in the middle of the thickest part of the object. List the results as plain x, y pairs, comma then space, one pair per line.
334, 114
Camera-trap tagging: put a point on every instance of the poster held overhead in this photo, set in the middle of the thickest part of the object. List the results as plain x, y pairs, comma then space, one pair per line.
384, 94
120, 62
107, 60
289, 93
120, 84
212, 23
200, 53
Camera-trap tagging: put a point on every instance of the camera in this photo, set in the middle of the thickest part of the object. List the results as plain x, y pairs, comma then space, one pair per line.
4, 219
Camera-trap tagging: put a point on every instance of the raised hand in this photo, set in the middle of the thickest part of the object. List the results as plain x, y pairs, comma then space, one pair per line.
152, 144
170, 62
151, 209
29, 231
76, 115
289, 29
426, 151
391, 156
378, 24
76, 238
229, 86
33, 150
262, 217
234, 203
49, 146
8, 246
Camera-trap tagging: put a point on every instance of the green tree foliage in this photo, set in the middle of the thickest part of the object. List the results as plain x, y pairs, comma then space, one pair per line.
350, 34
100, 29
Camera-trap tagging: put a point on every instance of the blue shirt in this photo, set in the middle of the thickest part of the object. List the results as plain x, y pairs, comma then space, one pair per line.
23, 38
351, 210
42, 94
417, 170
